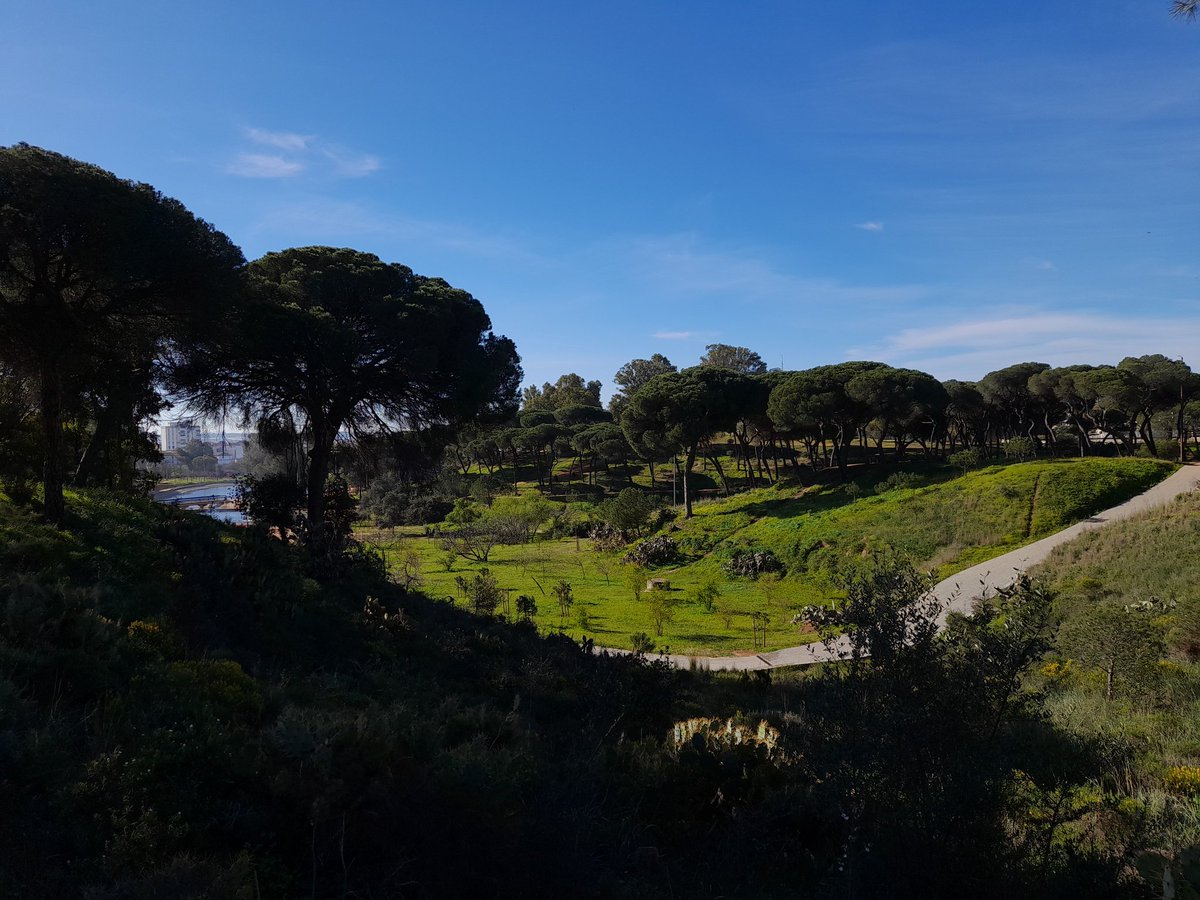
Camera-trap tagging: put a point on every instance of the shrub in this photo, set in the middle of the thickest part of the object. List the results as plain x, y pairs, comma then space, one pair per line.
1182, 779
750, 563
642, 643
1020, 448
483, 592
526, 607
271, 500
628, 511
898, 480
655, 551
708, 594
971, 458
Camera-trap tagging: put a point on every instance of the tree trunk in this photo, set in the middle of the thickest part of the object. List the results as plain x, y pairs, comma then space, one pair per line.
1147, 430
720, 474
318, 470
53, 471
87, 471
687, 471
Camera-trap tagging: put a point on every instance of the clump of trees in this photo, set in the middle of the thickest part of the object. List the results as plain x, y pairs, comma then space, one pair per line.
101, 279
107, 292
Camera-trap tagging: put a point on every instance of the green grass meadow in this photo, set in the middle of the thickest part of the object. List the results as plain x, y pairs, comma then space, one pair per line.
945, 522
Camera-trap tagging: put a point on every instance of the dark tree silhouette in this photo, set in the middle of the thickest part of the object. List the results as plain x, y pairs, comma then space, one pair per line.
351, 342
94, 271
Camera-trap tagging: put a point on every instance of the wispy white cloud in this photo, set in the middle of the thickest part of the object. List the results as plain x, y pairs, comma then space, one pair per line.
297, 154
870, 226
354, 165
281, 140
264, 165
676, 335
970, 348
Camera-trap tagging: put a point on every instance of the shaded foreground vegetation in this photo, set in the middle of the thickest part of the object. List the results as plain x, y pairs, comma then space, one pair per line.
187, 710
815, 536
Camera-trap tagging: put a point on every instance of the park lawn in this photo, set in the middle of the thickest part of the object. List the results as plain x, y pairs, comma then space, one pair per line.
534, 569
820, 533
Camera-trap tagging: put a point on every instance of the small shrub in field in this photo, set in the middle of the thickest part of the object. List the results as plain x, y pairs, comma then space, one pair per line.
750, 563
898, 480
656, 551
628, 511
642, 643
526, 607
971, 458
1020, 448
1183, 779
483, 592
708, 594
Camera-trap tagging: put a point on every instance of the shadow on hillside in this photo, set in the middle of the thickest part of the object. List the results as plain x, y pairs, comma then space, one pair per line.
835, 494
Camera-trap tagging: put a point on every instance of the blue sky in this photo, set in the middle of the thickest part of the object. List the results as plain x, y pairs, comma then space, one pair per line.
948, 186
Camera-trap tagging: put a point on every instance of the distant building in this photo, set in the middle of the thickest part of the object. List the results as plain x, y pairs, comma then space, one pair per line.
229, 452
179, 433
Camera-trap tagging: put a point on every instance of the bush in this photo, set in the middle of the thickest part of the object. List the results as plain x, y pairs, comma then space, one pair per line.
271, 500
1020, 448
751, 562
393, 503
698, 543
628, 511
1182, 780
642, 643
898, 480
655, 551
971, 458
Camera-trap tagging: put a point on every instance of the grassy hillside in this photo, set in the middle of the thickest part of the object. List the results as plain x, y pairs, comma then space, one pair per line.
1128, 596
820, 533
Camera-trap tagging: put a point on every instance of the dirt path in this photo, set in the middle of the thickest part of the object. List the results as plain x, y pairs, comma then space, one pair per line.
958, 592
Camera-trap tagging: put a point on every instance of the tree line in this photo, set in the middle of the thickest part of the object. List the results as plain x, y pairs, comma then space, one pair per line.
114, 298
771, 421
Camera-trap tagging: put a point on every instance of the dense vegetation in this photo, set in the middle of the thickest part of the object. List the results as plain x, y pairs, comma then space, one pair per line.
187, 712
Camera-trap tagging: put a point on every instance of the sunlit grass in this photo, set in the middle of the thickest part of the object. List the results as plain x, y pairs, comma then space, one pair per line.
818, 532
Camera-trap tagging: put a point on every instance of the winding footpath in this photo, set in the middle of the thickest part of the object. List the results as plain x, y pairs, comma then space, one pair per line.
958, 592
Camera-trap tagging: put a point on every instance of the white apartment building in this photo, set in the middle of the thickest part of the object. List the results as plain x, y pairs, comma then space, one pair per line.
179, 433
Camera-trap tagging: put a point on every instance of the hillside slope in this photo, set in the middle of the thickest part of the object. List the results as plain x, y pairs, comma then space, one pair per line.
941, 520
1126, 673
